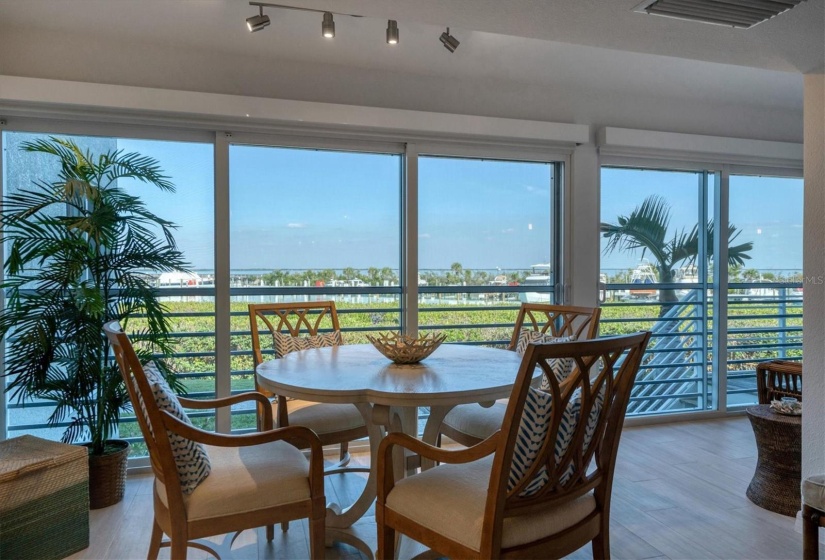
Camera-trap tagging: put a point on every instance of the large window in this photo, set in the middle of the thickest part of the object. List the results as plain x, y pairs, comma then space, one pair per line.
487, 235
314, 224
764, 294
661, 275
188, 296
310, 225
654, 265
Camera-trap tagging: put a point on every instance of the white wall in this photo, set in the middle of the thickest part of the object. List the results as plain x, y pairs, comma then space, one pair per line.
579, 94
813, 386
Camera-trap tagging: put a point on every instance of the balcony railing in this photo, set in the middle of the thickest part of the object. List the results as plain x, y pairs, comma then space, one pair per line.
764, 322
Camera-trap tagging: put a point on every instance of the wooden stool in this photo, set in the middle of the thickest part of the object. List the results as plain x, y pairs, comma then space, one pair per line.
813, 515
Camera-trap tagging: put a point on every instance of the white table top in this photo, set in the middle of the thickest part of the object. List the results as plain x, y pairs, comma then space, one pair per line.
453, 374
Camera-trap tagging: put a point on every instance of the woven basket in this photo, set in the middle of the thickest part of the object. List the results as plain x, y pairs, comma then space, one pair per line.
44, 499
107, 475
405, 349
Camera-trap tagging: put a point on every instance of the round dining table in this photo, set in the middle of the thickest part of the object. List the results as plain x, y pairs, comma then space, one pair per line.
388, 395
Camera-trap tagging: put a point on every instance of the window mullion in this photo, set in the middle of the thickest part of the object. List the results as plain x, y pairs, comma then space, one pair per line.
409, 236
223, 366
720, 288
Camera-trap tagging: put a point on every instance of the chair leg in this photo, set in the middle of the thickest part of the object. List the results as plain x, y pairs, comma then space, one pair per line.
316, 537
386, 542
601, 544
344, 449
154, 541
270, 532
284, 526
179, 547
810, 533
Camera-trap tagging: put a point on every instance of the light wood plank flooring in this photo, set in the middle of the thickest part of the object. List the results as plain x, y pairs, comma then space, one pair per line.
679, 492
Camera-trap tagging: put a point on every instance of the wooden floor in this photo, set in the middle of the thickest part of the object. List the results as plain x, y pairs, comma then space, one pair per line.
679, 492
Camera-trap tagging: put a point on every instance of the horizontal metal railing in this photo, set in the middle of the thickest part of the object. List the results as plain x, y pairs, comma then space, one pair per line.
764, 322
676, 375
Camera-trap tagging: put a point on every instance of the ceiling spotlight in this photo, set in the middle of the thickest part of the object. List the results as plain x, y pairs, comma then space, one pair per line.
450, 42
392, 32
256, 23
328, 26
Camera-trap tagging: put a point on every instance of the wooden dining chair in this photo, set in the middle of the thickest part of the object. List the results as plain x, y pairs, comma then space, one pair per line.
469, 424
540, 486
300, 326
211, 484
778, 378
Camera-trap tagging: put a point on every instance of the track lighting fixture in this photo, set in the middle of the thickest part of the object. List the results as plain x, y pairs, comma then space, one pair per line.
256, 23
328, 26
450, 43
392, 32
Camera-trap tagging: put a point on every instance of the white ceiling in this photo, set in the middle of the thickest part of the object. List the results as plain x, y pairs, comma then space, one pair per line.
557, 49
792, 42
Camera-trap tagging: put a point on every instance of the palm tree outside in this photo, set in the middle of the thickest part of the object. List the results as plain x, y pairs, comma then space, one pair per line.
647, 228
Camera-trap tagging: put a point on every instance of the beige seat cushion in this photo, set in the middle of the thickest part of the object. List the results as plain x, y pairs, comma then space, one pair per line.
813, 491
475, 420
450, 499
246, 479
323, 418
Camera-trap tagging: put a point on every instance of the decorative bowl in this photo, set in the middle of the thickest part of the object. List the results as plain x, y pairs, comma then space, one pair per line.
788, 406
405, 349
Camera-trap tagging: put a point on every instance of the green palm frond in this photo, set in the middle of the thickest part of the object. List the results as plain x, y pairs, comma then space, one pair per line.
75, 245
645, 228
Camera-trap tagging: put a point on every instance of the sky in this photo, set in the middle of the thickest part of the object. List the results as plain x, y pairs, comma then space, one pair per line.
766, 210
299, 208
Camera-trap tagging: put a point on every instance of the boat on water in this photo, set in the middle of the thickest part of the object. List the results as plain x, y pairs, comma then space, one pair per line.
644, 273
686, 275
178, 279
540, 275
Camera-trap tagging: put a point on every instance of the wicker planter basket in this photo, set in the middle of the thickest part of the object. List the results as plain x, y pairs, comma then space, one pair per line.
107, 475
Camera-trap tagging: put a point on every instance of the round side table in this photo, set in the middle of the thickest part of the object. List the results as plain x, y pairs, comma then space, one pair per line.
775, 484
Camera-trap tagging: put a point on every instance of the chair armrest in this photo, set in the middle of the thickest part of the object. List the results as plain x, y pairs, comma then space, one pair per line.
288, 434
428, 451
265, 407
386, 482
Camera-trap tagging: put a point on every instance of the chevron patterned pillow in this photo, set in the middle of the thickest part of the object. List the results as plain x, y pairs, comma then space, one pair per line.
575, 407
284, 343
535, 421
561, 367
190, 456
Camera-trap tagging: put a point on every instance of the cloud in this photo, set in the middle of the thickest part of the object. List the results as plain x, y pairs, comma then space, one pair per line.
295, 225
508, 230
424, 236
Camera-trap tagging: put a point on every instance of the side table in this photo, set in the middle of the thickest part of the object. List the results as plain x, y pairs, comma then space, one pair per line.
776, 481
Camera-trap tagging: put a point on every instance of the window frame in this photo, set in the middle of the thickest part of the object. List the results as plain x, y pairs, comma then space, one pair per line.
351, 140
721, 199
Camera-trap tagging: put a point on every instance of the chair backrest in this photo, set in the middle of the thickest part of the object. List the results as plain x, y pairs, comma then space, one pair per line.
148, 415
292, 319
579, 323
778, 378
583, 427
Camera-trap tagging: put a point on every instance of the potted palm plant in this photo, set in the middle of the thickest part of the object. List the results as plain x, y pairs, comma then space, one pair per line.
78, 248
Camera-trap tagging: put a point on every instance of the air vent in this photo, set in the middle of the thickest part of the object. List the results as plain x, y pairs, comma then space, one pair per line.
733, 13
